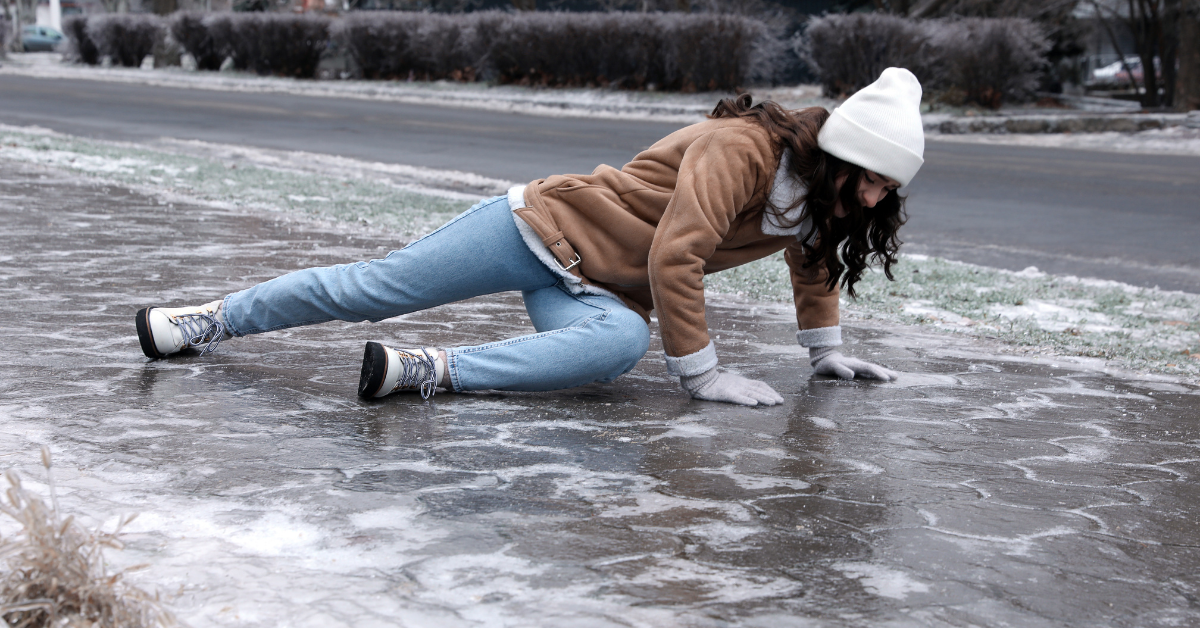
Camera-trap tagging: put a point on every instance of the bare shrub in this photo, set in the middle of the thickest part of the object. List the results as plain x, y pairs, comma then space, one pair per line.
287, 45
125, 38
990, 60
399, 45
192, 33
80, 46
588, 48
670, 51
55, 571
264, 43
848, 52
274, 43
983, 60
736, 49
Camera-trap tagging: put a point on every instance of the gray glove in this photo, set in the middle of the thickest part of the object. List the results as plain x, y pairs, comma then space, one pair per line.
714, 385
827, 361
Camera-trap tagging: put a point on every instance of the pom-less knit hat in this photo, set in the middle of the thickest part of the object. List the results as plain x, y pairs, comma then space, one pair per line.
879, 127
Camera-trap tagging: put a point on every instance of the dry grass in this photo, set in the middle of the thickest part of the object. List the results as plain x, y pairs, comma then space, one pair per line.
54, 572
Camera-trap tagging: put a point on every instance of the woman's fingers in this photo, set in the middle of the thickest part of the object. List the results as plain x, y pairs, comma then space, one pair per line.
761, 391
765, 394
866, 369
842, 370
848, 368
874, 371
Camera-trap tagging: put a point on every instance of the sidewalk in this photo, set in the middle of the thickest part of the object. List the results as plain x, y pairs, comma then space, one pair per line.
982, 488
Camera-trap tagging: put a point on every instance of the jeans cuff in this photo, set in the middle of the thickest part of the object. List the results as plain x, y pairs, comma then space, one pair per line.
452, 369
233, 331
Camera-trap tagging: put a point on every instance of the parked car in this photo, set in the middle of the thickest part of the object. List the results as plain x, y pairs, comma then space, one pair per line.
1115, 74
40, 38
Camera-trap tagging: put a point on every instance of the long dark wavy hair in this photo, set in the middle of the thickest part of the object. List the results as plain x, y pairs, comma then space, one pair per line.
863, 233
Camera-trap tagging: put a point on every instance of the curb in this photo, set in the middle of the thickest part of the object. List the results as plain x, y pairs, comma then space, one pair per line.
1033, 124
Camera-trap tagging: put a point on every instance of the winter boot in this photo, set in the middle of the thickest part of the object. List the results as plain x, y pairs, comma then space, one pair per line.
166, 330
386, 370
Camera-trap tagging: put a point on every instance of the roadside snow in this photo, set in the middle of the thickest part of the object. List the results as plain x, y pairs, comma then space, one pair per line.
1136, 328
406, 200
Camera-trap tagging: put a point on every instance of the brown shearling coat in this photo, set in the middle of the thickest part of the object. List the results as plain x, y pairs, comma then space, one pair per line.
689, 205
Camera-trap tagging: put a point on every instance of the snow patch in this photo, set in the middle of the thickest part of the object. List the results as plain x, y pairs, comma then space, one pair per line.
882, 581
823, 423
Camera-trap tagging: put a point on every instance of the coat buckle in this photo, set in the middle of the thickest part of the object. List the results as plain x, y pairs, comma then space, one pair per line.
573, 262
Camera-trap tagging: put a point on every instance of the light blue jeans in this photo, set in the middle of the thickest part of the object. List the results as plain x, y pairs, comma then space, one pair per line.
580, 339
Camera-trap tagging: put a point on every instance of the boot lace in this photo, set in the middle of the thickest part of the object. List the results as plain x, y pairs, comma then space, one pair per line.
418, 370
201, 329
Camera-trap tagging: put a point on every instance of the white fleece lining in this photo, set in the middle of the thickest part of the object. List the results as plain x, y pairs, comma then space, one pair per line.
785, 191
695, 363
820, 337
575, 285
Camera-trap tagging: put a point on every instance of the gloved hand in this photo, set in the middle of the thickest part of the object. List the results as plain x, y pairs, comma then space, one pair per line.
714, 385
827, 361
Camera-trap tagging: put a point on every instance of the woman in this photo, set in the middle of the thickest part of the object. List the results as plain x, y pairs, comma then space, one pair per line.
594, 254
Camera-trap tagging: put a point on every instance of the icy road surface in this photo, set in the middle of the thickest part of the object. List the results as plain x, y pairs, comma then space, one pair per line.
978, 490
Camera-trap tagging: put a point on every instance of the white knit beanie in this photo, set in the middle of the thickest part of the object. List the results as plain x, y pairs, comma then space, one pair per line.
879, 127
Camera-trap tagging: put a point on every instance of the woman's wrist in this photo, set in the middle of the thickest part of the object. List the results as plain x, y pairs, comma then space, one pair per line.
694, 383
816, 354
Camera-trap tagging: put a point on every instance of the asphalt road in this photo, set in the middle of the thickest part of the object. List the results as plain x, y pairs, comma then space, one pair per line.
1132, 218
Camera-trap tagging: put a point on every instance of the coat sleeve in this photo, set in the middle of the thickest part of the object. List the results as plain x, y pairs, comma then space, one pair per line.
718, 177
816, 305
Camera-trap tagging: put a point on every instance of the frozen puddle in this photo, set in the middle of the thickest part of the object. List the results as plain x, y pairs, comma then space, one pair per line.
982, 488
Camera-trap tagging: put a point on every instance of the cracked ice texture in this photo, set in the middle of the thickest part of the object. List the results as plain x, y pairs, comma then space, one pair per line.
981, 488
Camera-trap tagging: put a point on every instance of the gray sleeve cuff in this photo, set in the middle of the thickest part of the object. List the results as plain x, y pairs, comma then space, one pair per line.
695, 363
820, 337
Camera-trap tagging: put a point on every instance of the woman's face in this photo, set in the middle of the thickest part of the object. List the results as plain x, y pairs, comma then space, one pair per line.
872, 187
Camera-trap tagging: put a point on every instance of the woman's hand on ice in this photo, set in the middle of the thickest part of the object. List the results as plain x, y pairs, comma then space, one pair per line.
826, 361
714, 385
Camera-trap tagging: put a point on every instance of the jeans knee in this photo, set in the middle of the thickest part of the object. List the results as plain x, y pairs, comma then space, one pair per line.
626, 341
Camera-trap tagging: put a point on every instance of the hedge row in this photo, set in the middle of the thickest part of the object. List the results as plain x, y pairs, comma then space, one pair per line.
983, 60
285, 45
671, 51
264, 43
